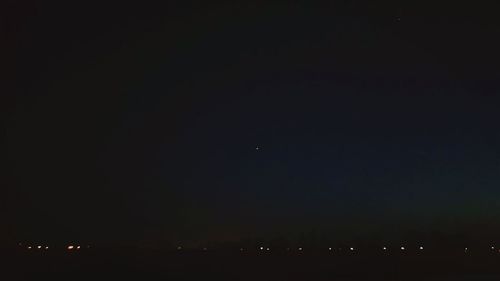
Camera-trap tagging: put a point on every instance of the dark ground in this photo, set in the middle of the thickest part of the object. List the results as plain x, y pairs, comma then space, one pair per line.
93, 264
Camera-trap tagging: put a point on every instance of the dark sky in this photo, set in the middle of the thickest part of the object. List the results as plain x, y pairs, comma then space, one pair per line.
125, 122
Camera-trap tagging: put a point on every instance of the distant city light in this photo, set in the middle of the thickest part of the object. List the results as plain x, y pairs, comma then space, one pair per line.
78, 247
466, 249
179, 248
70, 247
352, 249
261, 248
330, 249
241, 249
39, 247
267, 249
29, 247
204, 249
46, 247
402, 248
385, 248
421, 248
300, 248
493, 248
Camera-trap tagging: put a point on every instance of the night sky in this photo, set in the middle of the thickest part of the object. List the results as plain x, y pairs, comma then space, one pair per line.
226, 122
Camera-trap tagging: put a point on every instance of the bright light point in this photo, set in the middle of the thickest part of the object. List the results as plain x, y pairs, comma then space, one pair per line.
329, 249
39, 247
267, 249
385, 248
493, 248
46, 247
421, 248
70, 247
29, 247
352, 249
261, 248
300, 249
402, 248
78, 247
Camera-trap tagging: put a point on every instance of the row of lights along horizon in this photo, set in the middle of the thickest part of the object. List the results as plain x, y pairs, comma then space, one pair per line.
40, 247
352, 249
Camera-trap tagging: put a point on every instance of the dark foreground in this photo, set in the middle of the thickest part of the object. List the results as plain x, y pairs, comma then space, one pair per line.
200, 266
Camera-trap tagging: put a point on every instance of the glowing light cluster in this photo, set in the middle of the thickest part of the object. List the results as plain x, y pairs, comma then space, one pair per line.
39, 247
